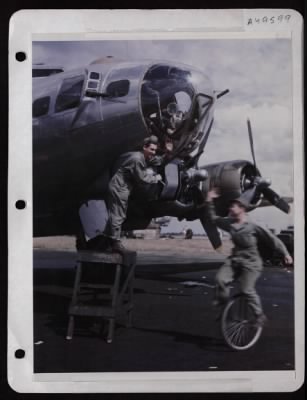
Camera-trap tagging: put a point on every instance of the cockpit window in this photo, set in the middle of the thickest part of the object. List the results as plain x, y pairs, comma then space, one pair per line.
70, 94
118, 88
43, 72
158, 72
40, 106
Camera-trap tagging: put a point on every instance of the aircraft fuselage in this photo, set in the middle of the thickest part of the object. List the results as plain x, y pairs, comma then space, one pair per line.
84, 119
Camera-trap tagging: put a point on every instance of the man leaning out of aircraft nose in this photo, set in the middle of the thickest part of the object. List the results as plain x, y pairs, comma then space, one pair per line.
245, 263
130, 173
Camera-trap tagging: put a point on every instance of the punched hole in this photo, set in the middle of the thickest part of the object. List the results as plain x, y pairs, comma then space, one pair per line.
20, 56
20, 353
20, 204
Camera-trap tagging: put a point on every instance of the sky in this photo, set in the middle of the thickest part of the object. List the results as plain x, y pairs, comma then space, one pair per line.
259, 76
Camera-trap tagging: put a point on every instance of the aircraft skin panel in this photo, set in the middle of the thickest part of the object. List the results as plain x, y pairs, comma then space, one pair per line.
69, 147
81, 158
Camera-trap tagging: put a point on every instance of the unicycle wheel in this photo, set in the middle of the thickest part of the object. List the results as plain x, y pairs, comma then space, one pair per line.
238, 324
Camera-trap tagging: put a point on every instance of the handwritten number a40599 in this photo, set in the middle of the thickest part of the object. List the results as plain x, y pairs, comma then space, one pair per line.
269, 20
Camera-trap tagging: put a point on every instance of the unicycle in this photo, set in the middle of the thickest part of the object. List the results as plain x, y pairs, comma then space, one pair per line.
238, 324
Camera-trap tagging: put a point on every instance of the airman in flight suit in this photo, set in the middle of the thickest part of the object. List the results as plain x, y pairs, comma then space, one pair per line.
245, 263
131, 172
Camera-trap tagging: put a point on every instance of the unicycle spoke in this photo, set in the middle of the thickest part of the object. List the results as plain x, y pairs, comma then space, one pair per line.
236, 338
231, 328
238, 327
231, 333
240, 339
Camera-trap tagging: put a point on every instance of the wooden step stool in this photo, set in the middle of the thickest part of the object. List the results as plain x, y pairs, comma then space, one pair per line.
119, 290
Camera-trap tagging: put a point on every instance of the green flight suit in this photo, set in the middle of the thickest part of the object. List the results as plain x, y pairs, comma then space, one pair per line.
130, 172
245, 263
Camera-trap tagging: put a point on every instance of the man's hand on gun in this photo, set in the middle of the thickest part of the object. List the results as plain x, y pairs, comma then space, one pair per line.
158, 177
288, 259
212, 194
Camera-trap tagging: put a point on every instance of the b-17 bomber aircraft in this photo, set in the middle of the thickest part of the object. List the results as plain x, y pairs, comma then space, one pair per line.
84, 119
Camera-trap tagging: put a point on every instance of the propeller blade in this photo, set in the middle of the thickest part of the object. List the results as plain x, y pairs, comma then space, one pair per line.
251, 140
276, 200
212, 232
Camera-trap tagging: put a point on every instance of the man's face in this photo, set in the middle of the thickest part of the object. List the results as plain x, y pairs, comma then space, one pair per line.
149, 151
235, 210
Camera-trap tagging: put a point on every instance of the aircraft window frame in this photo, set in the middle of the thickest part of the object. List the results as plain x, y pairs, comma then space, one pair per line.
92, 85
42, 73
206, 97
76, 98
44, 104
94, 75
118, 88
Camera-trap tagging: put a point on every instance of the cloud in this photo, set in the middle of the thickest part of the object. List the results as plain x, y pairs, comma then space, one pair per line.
273, 140
271, 127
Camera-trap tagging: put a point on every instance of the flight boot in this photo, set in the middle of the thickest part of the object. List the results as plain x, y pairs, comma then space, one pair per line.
117, 247
99, 243
261, 320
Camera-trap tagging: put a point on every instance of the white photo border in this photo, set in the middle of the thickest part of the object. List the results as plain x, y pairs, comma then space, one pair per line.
29, 25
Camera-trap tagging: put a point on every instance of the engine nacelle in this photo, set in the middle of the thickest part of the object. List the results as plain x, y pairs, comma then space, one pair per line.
232, 178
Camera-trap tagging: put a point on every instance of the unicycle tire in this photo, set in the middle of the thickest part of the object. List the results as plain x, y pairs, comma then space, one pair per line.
238, 323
